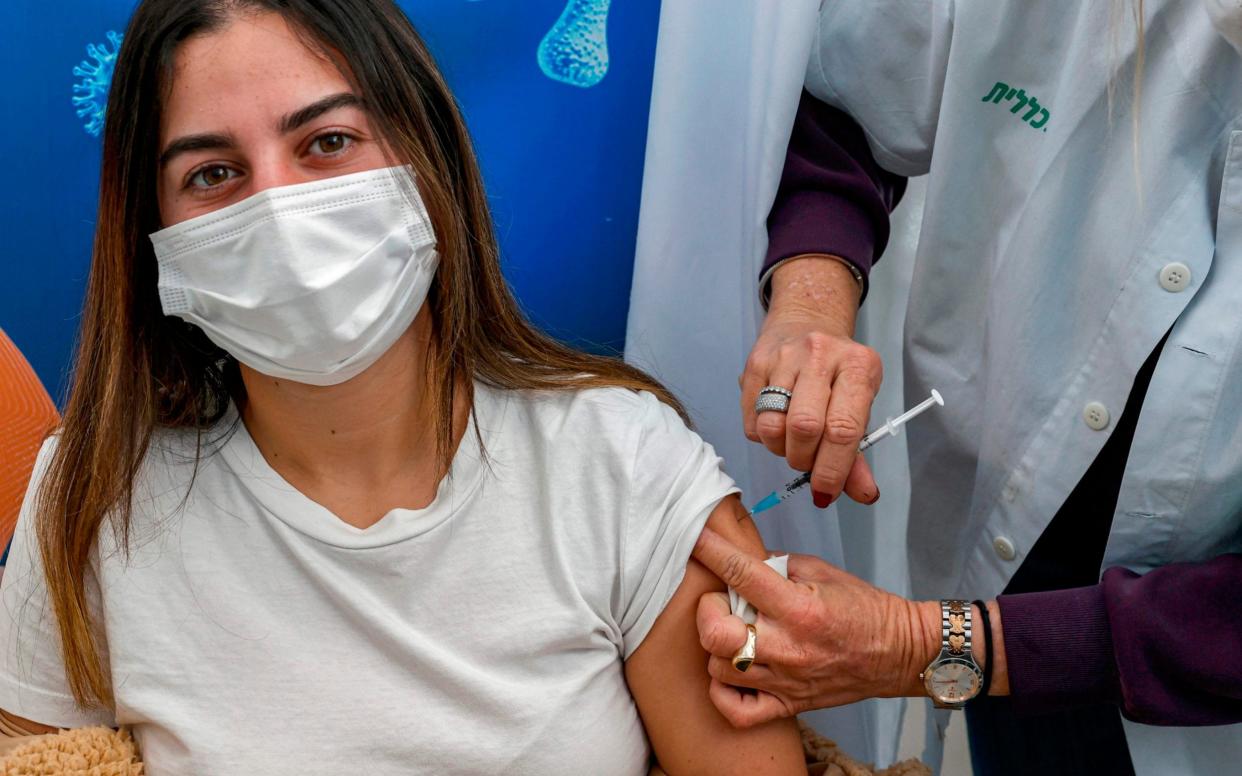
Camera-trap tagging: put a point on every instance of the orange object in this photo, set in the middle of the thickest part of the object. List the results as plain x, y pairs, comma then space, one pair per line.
27, 416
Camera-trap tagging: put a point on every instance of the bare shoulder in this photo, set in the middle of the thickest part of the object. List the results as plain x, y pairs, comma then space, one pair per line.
732, 521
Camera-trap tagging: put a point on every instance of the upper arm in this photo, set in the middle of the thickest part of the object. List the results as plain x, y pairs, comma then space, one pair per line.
668, 677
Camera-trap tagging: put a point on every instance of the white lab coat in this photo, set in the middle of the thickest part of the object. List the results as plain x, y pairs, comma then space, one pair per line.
1054, 255
726, 87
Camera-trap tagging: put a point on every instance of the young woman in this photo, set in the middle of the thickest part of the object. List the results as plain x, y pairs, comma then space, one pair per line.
323, 502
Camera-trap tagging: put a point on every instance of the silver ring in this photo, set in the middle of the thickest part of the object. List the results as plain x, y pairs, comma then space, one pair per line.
771, 402
788, 394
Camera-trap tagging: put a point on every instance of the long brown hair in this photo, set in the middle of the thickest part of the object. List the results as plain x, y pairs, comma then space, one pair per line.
138, 370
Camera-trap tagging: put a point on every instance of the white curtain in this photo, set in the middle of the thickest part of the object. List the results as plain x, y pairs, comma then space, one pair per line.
728, 76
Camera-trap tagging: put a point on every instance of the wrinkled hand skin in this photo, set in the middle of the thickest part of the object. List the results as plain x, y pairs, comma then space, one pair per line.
824, 637
807, 347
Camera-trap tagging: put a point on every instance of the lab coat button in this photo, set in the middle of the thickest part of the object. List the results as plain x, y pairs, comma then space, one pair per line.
1096, 415
1004, 548
1175, 277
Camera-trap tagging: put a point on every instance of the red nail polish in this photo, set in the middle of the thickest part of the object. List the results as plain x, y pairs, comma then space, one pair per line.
822, 500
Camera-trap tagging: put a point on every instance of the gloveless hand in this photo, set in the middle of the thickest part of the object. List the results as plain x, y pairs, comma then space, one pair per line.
823, 638
806, 346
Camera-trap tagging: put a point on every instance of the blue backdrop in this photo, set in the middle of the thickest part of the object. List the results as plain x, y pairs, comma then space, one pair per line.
559, 122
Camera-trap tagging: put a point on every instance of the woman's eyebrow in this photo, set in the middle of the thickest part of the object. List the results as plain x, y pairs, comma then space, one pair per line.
290, 122
316, 109
188, 143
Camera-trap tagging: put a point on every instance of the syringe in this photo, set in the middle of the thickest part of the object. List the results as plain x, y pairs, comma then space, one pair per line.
891, 427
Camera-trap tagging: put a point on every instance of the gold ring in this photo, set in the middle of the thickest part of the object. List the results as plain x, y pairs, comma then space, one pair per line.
746, 655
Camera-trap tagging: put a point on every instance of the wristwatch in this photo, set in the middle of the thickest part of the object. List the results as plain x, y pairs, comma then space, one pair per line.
953, 677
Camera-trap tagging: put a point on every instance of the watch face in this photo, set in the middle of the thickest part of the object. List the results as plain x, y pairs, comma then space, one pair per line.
953, 682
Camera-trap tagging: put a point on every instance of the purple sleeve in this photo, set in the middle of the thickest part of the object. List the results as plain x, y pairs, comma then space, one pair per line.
1165, 646
833, 197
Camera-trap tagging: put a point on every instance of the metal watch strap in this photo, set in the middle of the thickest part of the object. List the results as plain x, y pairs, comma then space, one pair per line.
955, 628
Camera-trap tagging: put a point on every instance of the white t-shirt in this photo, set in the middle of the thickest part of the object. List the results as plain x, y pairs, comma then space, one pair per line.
252, 631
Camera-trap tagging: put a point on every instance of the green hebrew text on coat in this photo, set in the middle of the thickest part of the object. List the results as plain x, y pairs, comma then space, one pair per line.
1036, 115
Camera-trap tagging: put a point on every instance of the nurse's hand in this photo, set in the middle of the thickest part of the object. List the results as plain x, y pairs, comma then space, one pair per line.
823, 638
806, 346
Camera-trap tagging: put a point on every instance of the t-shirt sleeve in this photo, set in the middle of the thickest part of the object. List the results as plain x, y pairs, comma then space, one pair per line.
32, 674
677, 481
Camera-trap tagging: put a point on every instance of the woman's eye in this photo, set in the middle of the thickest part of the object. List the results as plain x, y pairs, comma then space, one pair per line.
210, 177
333, 143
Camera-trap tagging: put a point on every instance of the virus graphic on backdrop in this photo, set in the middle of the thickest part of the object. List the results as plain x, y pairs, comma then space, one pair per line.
575, 50
90, 93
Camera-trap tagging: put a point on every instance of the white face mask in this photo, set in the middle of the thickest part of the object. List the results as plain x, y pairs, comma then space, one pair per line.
311, 282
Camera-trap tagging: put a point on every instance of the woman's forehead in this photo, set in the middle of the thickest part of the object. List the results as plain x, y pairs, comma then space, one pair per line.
254, 68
